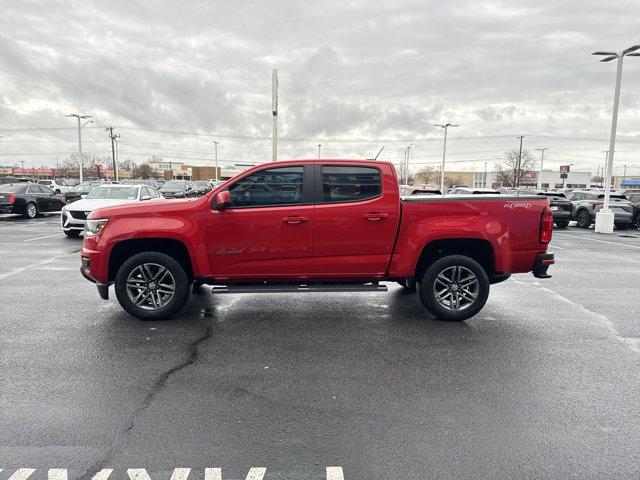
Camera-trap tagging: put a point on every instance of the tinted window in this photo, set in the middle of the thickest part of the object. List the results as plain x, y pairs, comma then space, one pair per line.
8, 188
348, 184
274, 186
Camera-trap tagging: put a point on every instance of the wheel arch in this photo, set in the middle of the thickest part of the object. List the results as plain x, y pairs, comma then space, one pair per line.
477, 248
125, 249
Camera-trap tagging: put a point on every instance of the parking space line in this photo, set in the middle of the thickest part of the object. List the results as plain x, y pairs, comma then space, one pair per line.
601, 241
335, 473
40, 238
22, 474
27, 267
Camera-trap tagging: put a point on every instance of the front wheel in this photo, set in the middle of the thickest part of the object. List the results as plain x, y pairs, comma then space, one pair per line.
454, 288
152, 286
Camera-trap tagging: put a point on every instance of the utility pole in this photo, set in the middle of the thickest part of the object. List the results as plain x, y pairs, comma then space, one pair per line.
444, 151
406, 171
113, 138
605, 217
484, 179
516, 180
274, 113
319, 147
215, 146
81, 159
541, 150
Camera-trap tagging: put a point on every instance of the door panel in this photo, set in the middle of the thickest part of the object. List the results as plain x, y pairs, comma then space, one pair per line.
267, 232
354, 238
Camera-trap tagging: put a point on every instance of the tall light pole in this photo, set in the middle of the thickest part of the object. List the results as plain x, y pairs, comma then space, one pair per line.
274, 114
516, 181
444, 151
604, 167
406, 170
484, 179
215, 146
605, 217
319, 149
541, 150
624, 175
80, 118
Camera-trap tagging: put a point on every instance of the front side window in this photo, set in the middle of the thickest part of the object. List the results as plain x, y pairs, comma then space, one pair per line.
349, 184
273, 186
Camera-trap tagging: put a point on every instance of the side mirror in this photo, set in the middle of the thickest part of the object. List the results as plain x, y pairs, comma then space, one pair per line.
145, 197
222, 200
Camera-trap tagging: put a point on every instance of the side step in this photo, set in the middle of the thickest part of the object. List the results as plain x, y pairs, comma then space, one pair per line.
309, 288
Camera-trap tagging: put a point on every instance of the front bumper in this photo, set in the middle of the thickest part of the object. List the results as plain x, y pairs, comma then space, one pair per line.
543, 261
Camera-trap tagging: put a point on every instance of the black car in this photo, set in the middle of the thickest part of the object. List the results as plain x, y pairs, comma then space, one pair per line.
78, 191
559, 203
634, 198
178, 189
29, 199
202, 187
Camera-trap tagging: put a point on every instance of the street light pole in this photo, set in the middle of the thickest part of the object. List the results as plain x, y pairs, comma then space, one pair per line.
274, 112
215, 145
541, 150
605, 217
406, 171
444, 151
79, 118
319, 147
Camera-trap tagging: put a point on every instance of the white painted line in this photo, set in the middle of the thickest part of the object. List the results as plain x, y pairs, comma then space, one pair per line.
601, 241
22, 269
216, 474
335, 473
58, 474
557, 247
102, 474
141, 474
46, 236
22, 474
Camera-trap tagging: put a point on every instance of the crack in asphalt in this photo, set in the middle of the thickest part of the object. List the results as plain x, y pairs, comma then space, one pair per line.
121, 437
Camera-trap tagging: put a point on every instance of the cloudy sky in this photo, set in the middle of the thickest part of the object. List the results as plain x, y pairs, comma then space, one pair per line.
354, 76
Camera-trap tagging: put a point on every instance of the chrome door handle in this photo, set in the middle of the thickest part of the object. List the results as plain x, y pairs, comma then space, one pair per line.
294, 220
375, 216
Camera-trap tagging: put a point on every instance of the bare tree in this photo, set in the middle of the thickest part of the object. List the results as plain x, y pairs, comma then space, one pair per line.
507, 169
453, 182
426, 175
142, 171
127, 165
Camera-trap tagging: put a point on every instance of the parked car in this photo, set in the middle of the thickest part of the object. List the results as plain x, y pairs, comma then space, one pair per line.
58, 185
411, 190
202, 187
585, 205
634, 197
28, 199
558, 202
343, 228
73, 217
474, 191
78, 191
178, 189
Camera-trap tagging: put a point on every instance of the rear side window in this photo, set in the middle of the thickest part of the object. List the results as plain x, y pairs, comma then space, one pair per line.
349, 184
273, 186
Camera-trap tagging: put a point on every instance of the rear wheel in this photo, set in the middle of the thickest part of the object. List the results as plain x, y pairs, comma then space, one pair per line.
454, 288
562, 223
31, 210
152, 286
584, 220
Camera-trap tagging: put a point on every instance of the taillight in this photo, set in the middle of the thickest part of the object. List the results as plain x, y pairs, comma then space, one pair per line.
546, 226
11, 198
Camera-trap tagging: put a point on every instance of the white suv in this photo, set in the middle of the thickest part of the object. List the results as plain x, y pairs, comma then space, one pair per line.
58, 185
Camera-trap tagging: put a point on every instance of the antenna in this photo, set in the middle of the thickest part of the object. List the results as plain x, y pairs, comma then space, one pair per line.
376, 157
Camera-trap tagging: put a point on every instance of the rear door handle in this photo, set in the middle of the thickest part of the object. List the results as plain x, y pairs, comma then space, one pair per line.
294, 220
375, 216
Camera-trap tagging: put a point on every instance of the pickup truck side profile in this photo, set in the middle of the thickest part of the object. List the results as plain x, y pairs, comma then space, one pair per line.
316, 225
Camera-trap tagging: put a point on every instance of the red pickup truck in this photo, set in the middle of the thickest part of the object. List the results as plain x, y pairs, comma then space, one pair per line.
316, 226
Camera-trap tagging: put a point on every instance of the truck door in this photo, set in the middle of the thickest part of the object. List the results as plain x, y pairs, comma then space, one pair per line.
267, 231
357, 214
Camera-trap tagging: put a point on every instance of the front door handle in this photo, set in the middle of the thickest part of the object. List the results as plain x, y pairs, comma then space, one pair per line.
294, 220
375, 216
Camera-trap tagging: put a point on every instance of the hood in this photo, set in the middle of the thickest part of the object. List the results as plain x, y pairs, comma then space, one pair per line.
90, 204
149, 207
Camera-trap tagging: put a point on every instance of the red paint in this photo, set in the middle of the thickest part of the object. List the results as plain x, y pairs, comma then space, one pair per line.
374, 239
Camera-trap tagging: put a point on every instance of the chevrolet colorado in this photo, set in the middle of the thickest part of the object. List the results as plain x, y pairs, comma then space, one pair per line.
316, 225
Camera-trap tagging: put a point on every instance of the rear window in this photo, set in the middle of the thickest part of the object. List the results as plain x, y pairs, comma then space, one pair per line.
349, 184
612, 197
8, 188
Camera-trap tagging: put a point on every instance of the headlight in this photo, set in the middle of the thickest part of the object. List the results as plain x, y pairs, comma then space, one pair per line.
94, 227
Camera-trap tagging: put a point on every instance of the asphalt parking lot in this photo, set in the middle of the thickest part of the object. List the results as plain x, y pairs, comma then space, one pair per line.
544, 383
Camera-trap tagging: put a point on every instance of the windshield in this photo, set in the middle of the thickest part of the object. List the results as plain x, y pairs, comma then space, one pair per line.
174, 185
115, 193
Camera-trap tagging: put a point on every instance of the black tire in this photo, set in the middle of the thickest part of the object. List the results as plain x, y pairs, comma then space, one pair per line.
562, 223
408, 284
584, 220
178, 281
477, 292
72, 233
30, 210
637, 222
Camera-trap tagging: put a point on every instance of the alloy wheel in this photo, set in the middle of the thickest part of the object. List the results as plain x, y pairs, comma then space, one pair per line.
150, 286
456, 288
31, 210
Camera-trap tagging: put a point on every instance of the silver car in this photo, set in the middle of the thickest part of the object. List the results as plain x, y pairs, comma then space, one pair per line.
586, 204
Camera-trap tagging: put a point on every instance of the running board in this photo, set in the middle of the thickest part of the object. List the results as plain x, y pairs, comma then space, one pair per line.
312, 288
